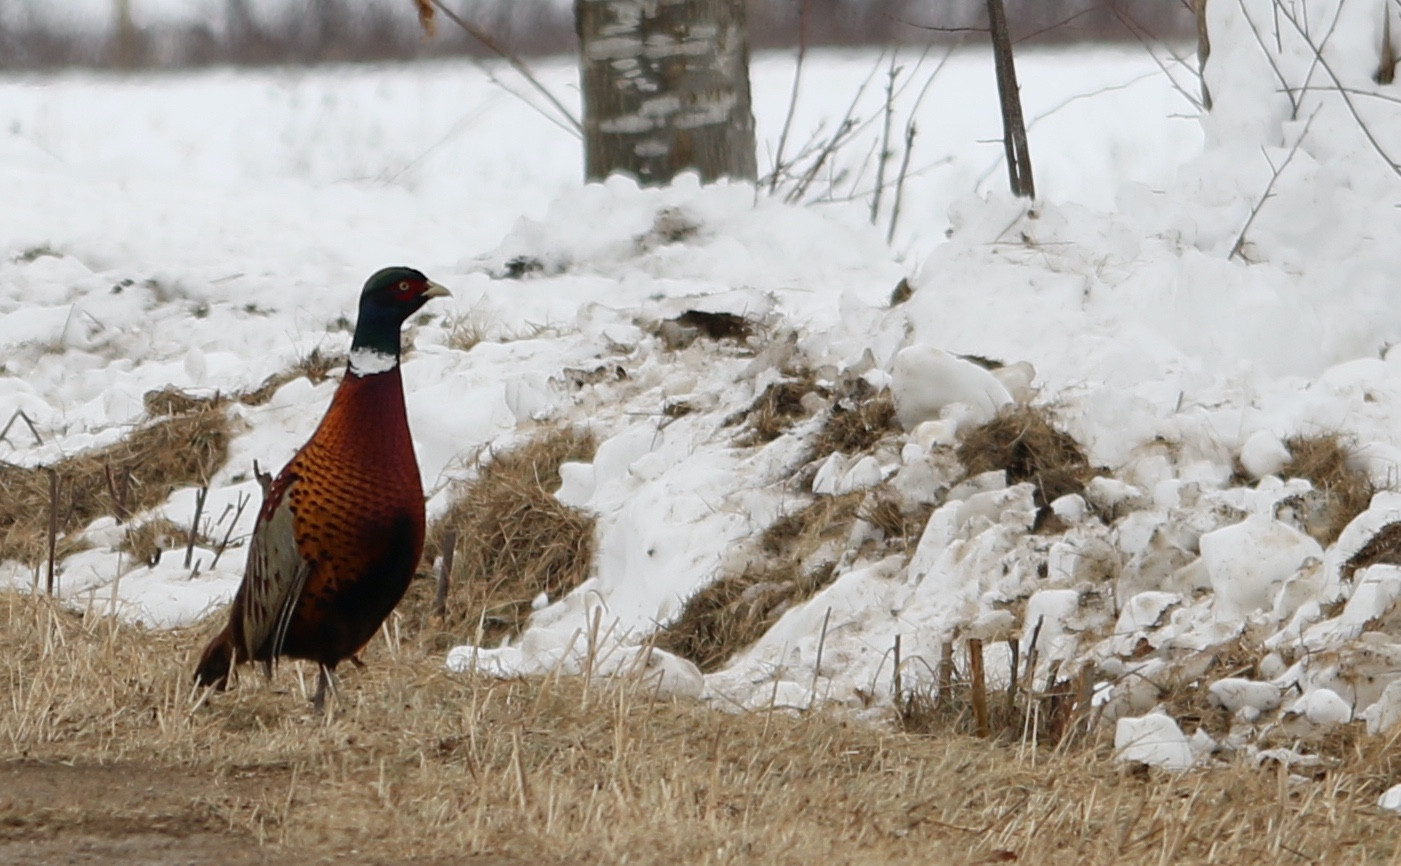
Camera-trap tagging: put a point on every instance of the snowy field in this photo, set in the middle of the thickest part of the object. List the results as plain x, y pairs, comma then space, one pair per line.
239, 213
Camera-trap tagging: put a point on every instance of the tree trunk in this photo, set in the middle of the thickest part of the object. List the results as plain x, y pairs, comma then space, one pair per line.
1013, 126
666, 88
128, 43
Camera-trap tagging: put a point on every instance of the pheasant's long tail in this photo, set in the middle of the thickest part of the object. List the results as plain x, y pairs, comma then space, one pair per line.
216, 660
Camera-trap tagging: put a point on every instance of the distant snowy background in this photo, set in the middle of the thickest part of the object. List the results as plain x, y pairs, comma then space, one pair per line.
1173, 345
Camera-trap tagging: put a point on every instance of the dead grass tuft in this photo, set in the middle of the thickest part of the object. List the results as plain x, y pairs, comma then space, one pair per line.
172, 401
1023, 441
1325, 459
420, 765
735, 610
778, 408
856, 424
465, 333
136, 473
1184, 692
317, 366
1384, 547
897, 522
511, 538
146, 541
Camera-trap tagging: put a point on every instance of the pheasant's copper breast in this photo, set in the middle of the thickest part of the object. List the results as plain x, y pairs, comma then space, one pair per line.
357, 516
359, 477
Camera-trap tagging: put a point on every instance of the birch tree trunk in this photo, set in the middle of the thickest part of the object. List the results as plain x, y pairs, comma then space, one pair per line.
666, 88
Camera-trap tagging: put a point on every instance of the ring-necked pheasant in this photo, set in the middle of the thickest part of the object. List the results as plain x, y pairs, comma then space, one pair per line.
341, 527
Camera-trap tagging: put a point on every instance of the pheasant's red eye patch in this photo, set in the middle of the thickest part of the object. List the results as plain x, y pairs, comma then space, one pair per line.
404, 291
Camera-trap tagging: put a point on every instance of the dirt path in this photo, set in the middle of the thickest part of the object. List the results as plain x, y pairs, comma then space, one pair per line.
54, 814
128, 813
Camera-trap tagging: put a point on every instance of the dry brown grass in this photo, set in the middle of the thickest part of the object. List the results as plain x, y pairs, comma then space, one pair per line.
185, 443
1325, 459
145, 541
1023, 441
419, 765
736, 609
1057, 713
136, 473
857, 423
1384, 547
316, 366
511, 539
778, 408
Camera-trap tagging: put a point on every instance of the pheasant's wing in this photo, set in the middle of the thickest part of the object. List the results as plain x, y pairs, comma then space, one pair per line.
274, 576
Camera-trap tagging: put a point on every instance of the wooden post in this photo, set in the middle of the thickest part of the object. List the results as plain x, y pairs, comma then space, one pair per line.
1013, 126
979, 687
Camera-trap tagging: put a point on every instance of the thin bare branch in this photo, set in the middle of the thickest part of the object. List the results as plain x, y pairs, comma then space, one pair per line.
489, 42
883, 157
793, 96
1239, 246
1341, 90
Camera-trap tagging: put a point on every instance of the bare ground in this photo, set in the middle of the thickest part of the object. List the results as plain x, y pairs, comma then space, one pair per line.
108, 756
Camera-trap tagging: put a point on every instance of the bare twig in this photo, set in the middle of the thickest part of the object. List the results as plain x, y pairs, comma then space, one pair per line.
1198, 8
910, 140
1032, 651
1338, 85
945, 671
1145, 39
1271, 58
817, 665
19, 415
895, 684
426, 21
1236, 249
900, 180
1014, 647
883, 158
119, 491
243, 500
489, 42
200, 495
792, 97
53, 527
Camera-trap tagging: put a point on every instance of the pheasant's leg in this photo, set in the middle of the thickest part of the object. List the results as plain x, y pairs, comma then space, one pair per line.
325, 682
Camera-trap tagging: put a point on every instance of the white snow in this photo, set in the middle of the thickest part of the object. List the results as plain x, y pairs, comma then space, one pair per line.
1154, 739
209, 229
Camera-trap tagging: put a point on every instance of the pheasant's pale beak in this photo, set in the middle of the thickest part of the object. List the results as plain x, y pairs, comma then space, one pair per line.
435, 291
